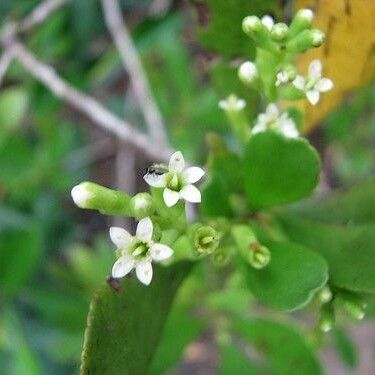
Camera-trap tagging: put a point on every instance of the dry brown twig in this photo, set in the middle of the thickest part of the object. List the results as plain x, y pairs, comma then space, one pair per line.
82, 102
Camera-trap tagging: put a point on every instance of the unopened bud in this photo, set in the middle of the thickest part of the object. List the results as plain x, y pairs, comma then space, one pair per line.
325, 295
206, 240
285, 75
93, 196
142, 205
317, 37
279, 31
327, 318
259, 256
305, 40
353, 304
252, 24
247, 72
301, 21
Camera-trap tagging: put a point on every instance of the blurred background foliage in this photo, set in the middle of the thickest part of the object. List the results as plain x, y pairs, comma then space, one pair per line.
54, 256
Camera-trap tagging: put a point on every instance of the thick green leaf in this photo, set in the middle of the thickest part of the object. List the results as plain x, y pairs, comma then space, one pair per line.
124, 327
291, 278
180, 330
224, 34
285, 350
349, 250
279, 169
354, 206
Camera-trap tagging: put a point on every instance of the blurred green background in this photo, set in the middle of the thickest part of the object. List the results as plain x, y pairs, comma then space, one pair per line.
52, 255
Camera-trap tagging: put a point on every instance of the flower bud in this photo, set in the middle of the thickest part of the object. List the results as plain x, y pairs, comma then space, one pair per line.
305, 40
327, 318
206, 240
259, 256
279, 31
222, 256
252, 24
93, 196
353, 304
301, 21
247, 72
142, 205
287, 74
325, 295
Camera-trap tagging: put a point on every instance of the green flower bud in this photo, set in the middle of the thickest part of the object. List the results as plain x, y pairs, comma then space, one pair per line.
305, 40
325, 295
327, 318
279, 31
142, 205
248, 72
259, 256
206, 240
254, 27
93, 196
353, 304
301, 21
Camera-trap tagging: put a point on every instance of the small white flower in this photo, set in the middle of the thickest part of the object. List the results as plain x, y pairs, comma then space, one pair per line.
232, 103
177, 181
137, 252
268, 21
281, 77
247, 72
273, 120
314, 83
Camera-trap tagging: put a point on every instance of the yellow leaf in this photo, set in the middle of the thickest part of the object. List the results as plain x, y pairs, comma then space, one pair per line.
348, 54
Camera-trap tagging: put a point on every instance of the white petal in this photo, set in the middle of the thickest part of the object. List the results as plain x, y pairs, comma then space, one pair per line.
176, 162
267, 21
324, 84
143, 271
170, 197
144, 230
288, 128
258, 128
272, 111
155, 180
313, 96
299, 82
191, 194
122, 266
193, 174
120, 237
315, 69
160, 252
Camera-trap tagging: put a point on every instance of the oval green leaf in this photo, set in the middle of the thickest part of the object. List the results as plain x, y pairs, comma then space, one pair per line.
279, 169
291, 278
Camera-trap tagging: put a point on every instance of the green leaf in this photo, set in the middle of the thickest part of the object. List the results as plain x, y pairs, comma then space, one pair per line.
234, 361
291, 278
284, 348
180, 330
279, 169
349, 250
345, 348
124, 327
224, 34
20, 253
356, 205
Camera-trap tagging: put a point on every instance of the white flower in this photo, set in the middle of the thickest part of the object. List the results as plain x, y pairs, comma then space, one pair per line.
177, 182
273, 120
137, 252
268, 21
232, 103
313, 84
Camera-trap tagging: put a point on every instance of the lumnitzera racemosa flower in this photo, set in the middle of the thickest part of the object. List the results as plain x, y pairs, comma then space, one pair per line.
314, 83
273, 120
177, 181
137, 252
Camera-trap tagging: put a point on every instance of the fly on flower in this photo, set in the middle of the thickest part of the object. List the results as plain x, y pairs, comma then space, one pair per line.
176, 181
137, 252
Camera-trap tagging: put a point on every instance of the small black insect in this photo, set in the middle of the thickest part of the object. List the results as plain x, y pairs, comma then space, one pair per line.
156, 170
